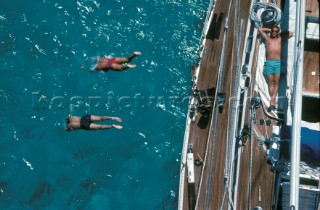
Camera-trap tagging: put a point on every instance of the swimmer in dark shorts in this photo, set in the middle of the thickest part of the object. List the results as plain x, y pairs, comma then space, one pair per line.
86, 122
116, 64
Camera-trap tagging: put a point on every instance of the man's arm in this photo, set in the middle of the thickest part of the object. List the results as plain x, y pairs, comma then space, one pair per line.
262, 32
286, 34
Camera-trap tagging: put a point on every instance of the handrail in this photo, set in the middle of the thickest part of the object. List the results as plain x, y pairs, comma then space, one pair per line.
188, 121
297, 105
231, 133
215, 116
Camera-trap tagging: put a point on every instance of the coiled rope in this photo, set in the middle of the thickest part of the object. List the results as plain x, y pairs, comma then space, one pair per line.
270, 14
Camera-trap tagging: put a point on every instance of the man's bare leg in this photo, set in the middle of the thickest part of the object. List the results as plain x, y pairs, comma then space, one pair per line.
128, 59
104, 127
111, 118
276, 80
134, 54
271, 85
120, 67
101, 118
117, 126
131, 66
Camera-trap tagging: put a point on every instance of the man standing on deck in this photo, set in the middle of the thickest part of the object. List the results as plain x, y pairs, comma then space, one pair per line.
272, 65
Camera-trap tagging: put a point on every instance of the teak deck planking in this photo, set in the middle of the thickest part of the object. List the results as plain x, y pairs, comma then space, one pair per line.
262, 180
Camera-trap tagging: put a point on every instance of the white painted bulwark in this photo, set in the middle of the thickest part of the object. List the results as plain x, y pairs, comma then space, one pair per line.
312, 31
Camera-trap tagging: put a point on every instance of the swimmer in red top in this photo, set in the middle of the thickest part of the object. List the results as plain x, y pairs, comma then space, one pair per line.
116, 64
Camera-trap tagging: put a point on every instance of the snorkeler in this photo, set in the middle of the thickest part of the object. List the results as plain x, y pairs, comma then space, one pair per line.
86, 122
116, 64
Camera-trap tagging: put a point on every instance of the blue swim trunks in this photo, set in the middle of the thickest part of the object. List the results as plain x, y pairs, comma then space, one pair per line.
271, 67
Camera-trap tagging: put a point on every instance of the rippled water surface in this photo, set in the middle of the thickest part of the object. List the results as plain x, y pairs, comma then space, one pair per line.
45, 47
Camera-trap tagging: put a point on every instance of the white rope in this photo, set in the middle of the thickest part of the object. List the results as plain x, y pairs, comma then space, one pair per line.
271, 7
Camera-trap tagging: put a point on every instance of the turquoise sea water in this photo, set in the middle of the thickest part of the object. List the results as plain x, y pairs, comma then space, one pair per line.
44, 78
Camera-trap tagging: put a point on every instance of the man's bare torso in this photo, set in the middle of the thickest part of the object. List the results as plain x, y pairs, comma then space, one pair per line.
273, 47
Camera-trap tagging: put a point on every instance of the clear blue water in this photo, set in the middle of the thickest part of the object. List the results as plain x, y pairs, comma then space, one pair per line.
43, 45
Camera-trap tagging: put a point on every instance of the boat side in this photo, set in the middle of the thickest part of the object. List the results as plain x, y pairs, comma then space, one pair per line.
241, 149
208, 135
